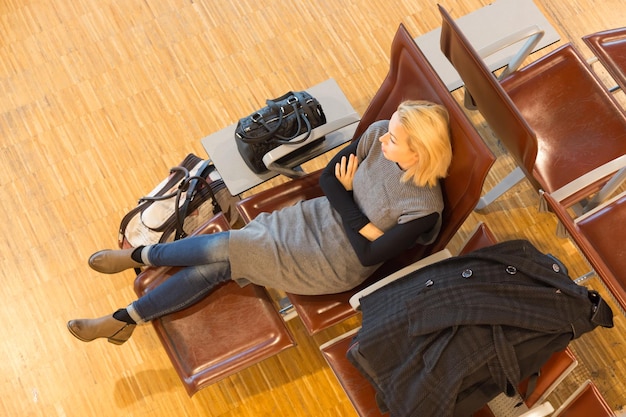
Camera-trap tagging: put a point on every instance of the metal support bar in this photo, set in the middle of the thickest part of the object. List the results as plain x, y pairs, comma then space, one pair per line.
584, 277
609, 188
503, 186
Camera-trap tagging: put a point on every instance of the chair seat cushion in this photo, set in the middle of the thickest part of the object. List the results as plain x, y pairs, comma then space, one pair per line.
230, 329
226, 332
566, 104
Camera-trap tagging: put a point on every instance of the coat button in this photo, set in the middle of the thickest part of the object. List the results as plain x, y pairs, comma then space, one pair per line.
466, 273
429, 283
511, 270
556, 268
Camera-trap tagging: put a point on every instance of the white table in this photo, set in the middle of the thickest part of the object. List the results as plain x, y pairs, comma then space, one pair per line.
485, 26
341, 122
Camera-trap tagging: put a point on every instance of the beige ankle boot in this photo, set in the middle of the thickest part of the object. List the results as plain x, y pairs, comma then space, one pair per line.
116, 331
113, 261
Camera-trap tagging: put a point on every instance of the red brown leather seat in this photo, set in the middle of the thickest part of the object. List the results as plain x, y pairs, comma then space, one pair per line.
555, 117
362, 394
357, 388
598, 235
484, 412
610, 48
585, 402
551, 374
410, 77
227, 331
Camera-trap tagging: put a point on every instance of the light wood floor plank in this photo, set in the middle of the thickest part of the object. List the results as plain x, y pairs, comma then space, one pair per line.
99, 98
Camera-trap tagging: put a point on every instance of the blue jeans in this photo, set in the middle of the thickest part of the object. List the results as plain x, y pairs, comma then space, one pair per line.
205, 258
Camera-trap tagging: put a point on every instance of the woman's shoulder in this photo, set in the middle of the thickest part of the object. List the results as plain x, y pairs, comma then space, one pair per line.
379, 125
372, 133
376, 129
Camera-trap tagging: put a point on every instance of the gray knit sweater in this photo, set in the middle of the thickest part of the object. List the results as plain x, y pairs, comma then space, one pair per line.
303, 249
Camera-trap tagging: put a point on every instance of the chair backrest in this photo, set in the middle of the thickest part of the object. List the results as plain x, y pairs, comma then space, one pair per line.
492, 101
411, 76
610, 48
554, 116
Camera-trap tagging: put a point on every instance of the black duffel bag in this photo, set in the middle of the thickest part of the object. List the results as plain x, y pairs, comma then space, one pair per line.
281, 121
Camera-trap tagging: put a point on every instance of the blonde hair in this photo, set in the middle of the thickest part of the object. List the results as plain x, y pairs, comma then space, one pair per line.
427, 125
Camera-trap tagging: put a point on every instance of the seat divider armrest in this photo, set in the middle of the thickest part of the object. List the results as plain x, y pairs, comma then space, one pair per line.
342, 336
532, 34
617, 167
355, 300
271, 158
542, 410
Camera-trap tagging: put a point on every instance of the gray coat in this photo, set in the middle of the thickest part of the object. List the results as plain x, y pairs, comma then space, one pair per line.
422, 335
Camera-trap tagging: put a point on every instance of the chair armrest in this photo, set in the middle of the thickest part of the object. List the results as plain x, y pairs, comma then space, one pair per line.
272, 158
355, 300
542, 410
595, 60
616, 168
339, 338
532, 34
283, 195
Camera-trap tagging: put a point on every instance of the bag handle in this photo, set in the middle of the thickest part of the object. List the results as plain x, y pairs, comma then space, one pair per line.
290, 141
192, 186
183, 181
258, 118
185, 172
300, 115
144, 202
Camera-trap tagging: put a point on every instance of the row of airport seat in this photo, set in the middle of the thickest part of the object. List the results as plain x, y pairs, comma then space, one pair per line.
237, 327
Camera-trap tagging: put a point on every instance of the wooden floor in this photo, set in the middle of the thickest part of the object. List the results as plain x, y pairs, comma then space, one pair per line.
99, 98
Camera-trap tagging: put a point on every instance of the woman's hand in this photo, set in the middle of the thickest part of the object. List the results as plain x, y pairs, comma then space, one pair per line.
370, 232
344, 170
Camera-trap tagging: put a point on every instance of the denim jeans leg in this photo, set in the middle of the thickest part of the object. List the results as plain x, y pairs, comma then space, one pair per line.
190, 251
210, 267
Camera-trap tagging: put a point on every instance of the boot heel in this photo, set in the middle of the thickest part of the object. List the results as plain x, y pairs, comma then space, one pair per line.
122, 335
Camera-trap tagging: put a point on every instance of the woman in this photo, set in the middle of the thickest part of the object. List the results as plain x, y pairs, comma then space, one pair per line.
382, 196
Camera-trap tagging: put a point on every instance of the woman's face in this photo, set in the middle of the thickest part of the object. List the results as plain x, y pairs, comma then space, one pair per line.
395, 144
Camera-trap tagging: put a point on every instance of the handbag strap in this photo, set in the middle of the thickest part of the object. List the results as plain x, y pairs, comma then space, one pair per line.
258, 118
300, 115
185, 172
146, 201
192, 186
175, 177
271, 131
293, 101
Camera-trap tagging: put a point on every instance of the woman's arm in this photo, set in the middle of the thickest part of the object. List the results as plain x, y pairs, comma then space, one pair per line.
370, 232
340, 198
391, 243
